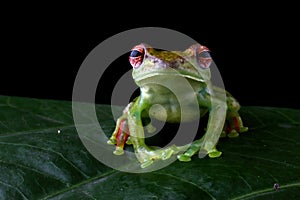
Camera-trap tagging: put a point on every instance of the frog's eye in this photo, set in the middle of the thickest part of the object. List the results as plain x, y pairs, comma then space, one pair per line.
203, 57
204, 54
137, 56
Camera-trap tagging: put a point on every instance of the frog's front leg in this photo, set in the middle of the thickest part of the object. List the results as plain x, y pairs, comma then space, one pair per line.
207, 144
145, 154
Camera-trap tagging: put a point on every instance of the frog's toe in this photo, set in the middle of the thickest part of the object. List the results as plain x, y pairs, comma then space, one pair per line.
214, 153
233, 134
243, 129
119, 151
128, 141
167, 154
147, 156
111, 142
146, 163
184, 158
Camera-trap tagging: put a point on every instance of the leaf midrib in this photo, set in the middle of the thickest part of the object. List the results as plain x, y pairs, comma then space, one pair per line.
32, 131
266, 190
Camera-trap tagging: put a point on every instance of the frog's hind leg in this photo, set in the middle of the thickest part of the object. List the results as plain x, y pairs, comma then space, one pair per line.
120, 136
234, 124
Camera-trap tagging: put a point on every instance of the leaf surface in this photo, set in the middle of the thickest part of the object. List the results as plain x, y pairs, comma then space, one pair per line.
42, 157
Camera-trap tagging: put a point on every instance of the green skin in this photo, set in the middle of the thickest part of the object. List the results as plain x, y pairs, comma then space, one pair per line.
157, 67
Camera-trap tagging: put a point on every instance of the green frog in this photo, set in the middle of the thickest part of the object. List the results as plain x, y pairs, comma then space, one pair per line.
151, 69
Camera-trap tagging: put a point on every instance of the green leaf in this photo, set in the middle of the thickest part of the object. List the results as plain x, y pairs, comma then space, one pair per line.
42, 157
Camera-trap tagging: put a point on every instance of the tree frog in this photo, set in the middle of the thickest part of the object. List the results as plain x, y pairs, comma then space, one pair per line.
150, 66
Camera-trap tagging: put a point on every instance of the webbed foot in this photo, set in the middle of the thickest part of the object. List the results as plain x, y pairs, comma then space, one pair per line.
194, 148
147, 156
214, 153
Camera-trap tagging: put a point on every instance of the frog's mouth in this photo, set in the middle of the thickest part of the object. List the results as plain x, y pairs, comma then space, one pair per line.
167, 73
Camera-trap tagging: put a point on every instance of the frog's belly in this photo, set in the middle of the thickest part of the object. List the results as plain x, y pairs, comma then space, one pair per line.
172, 113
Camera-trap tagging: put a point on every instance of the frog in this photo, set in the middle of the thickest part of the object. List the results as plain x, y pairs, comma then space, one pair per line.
151, 66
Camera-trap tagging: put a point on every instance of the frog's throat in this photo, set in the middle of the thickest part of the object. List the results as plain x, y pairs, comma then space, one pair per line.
166, 73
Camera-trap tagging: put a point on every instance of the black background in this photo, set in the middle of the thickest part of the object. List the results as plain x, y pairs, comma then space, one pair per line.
255, 51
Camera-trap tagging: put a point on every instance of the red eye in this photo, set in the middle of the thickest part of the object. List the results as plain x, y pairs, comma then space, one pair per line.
137, 56
203, 57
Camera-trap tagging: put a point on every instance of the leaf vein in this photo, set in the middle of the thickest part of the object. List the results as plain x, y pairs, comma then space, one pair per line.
48, 150
33, 170
104, 175
15, 188
285, 116
5, 126
265, 159
187, 181
281, 138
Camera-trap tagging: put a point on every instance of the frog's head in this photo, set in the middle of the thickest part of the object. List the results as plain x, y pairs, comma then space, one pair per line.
193, 63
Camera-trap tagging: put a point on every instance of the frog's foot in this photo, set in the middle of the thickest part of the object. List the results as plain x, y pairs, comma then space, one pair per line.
147, 156
194, 148
233, 126
119, 137
214, 153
